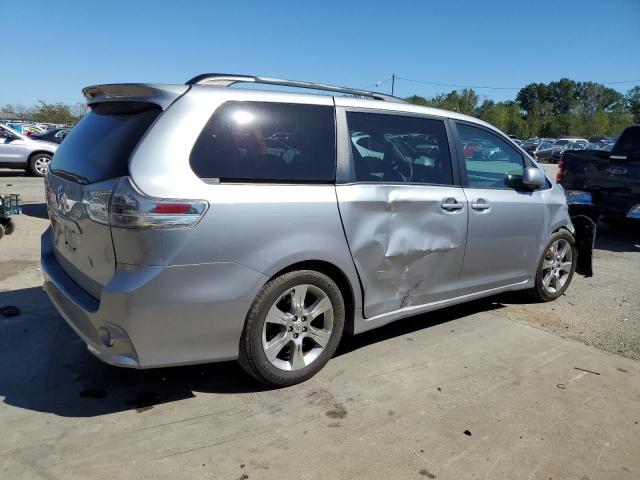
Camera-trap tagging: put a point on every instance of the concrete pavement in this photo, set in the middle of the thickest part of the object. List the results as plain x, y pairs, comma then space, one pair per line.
462, 393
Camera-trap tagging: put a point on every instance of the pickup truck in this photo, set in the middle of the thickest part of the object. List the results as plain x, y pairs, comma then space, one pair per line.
606, 183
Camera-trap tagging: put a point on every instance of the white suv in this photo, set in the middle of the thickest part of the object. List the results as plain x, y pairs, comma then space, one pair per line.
19, 151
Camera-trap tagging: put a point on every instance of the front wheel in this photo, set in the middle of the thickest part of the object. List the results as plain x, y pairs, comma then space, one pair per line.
293, 328
39, 164
556, 268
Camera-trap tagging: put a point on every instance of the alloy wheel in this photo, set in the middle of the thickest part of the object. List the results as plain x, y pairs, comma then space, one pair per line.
297, 327
41, 165
556, 266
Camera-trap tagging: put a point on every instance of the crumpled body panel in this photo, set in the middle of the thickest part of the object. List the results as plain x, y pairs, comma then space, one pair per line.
407, 249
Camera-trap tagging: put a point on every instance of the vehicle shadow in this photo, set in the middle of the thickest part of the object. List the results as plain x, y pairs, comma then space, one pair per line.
6, 172
38, 210
47, 368
618, 237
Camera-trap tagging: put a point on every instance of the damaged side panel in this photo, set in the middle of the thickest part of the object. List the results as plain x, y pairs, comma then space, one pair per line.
407, 249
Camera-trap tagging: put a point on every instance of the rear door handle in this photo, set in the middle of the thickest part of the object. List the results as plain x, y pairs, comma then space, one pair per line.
451, 204
480, 204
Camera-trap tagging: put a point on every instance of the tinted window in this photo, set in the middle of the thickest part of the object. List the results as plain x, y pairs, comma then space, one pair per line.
488, 158
100, 145
545, 145
254, 141
629, 141
394, 148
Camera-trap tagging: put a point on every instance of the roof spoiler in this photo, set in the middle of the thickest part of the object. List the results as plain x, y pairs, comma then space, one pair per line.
226, 80
161, 95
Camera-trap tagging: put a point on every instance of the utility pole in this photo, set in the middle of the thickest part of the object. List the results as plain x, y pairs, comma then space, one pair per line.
393, 83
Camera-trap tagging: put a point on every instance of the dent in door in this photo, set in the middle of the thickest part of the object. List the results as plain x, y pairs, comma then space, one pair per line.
403, 245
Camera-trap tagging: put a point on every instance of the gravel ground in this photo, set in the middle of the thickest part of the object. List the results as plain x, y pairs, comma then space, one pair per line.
604, 310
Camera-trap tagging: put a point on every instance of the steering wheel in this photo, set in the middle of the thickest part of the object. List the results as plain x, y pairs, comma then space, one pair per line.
401, 165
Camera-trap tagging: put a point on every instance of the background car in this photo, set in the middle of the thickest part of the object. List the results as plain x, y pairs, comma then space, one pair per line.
532, 143
546, 145
558, 147
19, 151
544, 154
603, 140
558, 151
55, 135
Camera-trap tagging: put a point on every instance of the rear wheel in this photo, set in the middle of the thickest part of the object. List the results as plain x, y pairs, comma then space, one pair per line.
293, 328
1, 231
39, 164
9, 226
556, 268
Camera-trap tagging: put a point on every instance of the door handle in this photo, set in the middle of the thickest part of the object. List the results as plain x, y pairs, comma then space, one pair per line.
451, 204
480, 205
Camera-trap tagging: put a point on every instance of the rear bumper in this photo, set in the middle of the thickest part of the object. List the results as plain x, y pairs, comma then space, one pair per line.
583, 202
154, 316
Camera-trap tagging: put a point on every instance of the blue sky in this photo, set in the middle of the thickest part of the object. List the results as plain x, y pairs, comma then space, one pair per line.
53, 49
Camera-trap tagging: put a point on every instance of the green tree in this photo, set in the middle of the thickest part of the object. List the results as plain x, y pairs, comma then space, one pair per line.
532, 96
563, 94
565, 107
464, 101
633, 102
54, 113
418, 100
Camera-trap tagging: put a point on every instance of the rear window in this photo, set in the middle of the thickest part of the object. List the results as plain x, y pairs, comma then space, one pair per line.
259, 141
99, 147
629, 141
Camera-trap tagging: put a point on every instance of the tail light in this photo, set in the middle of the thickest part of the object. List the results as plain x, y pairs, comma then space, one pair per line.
560, 172
120, 204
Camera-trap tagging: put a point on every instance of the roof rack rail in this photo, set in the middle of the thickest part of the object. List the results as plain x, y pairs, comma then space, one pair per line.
226, 80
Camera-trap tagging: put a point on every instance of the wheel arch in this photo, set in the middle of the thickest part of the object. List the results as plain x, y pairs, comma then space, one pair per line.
337, 275
36, 152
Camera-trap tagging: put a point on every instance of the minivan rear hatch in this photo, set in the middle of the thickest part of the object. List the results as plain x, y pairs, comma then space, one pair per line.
88, 164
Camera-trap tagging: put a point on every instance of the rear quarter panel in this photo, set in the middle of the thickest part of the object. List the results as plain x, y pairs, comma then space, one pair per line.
266, 227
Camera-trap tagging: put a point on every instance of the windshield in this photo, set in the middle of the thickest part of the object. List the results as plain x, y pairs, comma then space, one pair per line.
11, 131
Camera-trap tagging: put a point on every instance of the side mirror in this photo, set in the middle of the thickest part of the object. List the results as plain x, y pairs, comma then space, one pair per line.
533, 178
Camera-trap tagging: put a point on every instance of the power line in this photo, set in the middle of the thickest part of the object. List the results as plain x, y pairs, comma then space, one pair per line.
620, 81
456, 85
377, 84
478, 87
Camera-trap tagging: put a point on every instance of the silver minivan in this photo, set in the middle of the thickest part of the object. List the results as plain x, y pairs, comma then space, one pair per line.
201, 223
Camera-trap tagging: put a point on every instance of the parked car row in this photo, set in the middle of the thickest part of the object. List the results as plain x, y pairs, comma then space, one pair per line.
551, 149
40, 131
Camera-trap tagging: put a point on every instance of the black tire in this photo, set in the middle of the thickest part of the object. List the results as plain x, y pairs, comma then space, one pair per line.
33, 170
538, 292
252, 356
2, 230
9, 227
